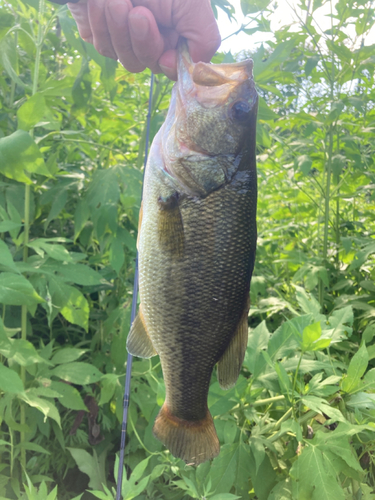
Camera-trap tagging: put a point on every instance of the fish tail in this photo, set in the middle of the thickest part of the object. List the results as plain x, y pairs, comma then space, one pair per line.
194, 441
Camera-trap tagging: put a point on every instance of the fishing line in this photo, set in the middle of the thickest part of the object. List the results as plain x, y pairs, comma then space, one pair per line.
129, 362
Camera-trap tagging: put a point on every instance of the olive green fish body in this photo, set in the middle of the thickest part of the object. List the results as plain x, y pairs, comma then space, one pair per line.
193, 303
196, 247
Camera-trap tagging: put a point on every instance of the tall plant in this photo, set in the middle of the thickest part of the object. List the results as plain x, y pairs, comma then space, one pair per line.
300, 421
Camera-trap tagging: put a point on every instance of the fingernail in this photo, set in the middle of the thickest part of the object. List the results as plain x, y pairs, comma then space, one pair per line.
118, 11
138, 26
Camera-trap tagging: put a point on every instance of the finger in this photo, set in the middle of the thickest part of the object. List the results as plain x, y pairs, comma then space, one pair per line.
101, 37
168, 64
147, 42
196, 22
117, 16
81, 17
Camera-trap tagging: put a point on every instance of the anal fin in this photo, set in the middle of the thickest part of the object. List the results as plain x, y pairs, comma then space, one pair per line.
139, 343
229, 365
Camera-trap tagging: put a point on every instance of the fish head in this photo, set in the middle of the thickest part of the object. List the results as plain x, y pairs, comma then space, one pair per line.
216, 104
212, 114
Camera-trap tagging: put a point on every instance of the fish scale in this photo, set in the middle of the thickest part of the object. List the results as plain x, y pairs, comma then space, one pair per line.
196, 256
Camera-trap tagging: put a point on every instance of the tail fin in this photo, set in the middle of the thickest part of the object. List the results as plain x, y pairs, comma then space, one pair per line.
193, 441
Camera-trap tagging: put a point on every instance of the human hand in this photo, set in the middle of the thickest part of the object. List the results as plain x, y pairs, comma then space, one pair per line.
144, 33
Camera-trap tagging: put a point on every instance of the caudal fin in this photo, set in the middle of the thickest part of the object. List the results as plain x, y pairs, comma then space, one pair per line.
193, 441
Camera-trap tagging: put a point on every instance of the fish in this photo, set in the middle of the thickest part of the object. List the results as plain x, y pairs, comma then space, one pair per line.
196, 246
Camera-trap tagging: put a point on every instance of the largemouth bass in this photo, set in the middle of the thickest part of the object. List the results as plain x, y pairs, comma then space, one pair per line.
196, 243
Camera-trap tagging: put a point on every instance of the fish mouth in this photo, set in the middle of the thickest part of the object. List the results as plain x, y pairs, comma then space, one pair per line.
211, 85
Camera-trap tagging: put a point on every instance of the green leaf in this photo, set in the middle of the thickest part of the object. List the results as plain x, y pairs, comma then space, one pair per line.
6, 258
108, 383
338, 321
90, 466
362, 401
284, 381
311, 63
321, 406
33, 447
19, 154
242, 479
220, 401
307, 302
104, 188
43, 405
258, 340
356, 370
304, 164
311, 338
16, 290
126, 238
287, 338
338, 164
263, 480
253, 6
71, 303
10, 380
130, 489
367, 383
224, 496
9, 225
66, 355
77, 373
223, 468
22, 352
81, 216
31, 112
116, 254
81, 274
69, 396
265, 112
57, 205
314, 476
54, 250
8, 57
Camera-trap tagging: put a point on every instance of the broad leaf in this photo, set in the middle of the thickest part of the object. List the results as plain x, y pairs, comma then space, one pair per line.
16, 290
77, 373
19, 154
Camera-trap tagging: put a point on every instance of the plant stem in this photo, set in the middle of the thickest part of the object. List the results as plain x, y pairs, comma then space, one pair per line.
27, 229
282, 419
295, 383
337, 219
24, 317
328, 173
267, 401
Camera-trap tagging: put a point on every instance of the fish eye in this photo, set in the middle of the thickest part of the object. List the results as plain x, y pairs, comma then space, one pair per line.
241, 111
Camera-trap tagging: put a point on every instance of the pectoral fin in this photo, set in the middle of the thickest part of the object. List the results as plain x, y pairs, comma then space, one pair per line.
170, 228
229, 365
139, 343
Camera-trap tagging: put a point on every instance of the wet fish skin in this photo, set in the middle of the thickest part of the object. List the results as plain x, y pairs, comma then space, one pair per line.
197, 245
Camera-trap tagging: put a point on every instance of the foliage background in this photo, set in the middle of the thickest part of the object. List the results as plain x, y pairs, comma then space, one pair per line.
300, 422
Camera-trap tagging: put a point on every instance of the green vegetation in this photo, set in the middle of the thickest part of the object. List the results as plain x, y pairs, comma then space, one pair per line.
300, 423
